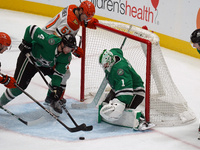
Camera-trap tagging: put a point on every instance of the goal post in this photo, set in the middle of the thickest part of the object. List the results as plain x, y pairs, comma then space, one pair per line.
163, 105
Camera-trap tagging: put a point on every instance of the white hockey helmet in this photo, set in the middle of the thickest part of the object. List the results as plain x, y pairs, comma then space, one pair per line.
107, 60
112, 111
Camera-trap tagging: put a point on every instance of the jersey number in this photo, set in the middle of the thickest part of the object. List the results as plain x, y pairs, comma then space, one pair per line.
123, 82
65, 29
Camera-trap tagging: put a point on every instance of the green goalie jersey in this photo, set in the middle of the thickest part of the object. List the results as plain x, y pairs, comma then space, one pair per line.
44, 50
123, 78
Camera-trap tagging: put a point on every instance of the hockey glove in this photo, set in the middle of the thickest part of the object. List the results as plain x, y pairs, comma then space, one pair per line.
8, 81
91, 25
78, 52
25, 47
57, 93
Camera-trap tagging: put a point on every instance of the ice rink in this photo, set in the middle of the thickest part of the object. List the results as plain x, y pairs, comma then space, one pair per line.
50, 135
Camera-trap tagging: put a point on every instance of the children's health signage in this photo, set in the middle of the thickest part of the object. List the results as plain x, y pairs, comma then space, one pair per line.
171, 19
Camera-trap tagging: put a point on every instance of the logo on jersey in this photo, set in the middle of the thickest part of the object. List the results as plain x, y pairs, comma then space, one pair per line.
51, 41
120, 72
43, 62
41, 36
64, 12
75, 21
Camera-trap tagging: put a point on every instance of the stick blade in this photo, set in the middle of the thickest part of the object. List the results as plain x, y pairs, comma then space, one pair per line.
35, 122
83, 105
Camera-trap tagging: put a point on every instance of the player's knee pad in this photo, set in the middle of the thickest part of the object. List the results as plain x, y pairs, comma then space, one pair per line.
113, 110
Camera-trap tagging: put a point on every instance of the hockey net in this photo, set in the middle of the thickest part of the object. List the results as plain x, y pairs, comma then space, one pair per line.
163, 105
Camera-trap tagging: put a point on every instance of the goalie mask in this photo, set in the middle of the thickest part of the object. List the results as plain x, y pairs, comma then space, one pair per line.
195, 36
69, 40
107, 60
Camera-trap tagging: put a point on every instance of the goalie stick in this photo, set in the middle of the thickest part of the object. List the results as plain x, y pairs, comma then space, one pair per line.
28, 123
100, 90
96, 98
83, 126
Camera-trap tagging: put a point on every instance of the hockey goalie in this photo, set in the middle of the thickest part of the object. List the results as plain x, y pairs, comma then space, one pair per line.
126, 94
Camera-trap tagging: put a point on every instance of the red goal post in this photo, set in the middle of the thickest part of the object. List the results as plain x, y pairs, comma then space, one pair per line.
142, 49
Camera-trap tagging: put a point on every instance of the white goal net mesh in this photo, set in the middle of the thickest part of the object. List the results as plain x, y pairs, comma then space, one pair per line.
167, 105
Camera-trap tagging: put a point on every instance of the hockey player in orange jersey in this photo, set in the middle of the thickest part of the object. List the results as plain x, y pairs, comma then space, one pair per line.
5, 42
68, 21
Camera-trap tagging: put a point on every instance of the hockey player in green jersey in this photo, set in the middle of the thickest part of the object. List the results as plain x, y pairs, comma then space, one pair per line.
51, 54
127, 91
195, 39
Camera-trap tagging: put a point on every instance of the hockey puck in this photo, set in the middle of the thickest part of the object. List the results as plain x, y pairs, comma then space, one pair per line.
81, 138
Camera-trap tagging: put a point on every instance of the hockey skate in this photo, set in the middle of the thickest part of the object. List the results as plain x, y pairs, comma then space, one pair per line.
140, 122
144, 125
48, 101
56, 108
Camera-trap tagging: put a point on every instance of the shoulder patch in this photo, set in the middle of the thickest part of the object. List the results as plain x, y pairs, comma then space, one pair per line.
51, 41
75, 21
120, 72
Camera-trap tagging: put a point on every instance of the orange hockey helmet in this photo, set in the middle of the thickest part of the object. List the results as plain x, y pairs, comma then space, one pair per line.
88, 8
5, 39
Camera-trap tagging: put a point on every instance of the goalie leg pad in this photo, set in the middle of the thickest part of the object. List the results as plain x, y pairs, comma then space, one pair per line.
130, 118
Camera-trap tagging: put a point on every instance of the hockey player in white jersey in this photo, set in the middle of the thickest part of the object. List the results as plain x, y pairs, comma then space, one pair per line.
68, 21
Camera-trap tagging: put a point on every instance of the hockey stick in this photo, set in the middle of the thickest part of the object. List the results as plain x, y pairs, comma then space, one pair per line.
76, 129
28, 123
87, 128
100, 90
83, 126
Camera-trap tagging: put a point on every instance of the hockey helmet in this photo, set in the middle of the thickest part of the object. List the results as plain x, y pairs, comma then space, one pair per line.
69, 40
5, 39
195, 36
88, 8
107, 57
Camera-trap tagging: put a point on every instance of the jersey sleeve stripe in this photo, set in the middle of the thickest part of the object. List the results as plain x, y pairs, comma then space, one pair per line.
52, 23
126, 91
32, 30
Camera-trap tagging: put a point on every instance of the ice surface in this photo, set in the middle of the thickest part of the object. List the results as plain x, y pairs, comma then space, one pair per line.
51, 135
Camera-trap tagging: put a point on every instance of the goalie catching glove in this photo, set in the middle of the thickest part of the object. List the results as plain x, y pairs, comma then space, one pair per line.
113, 110
8, 82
